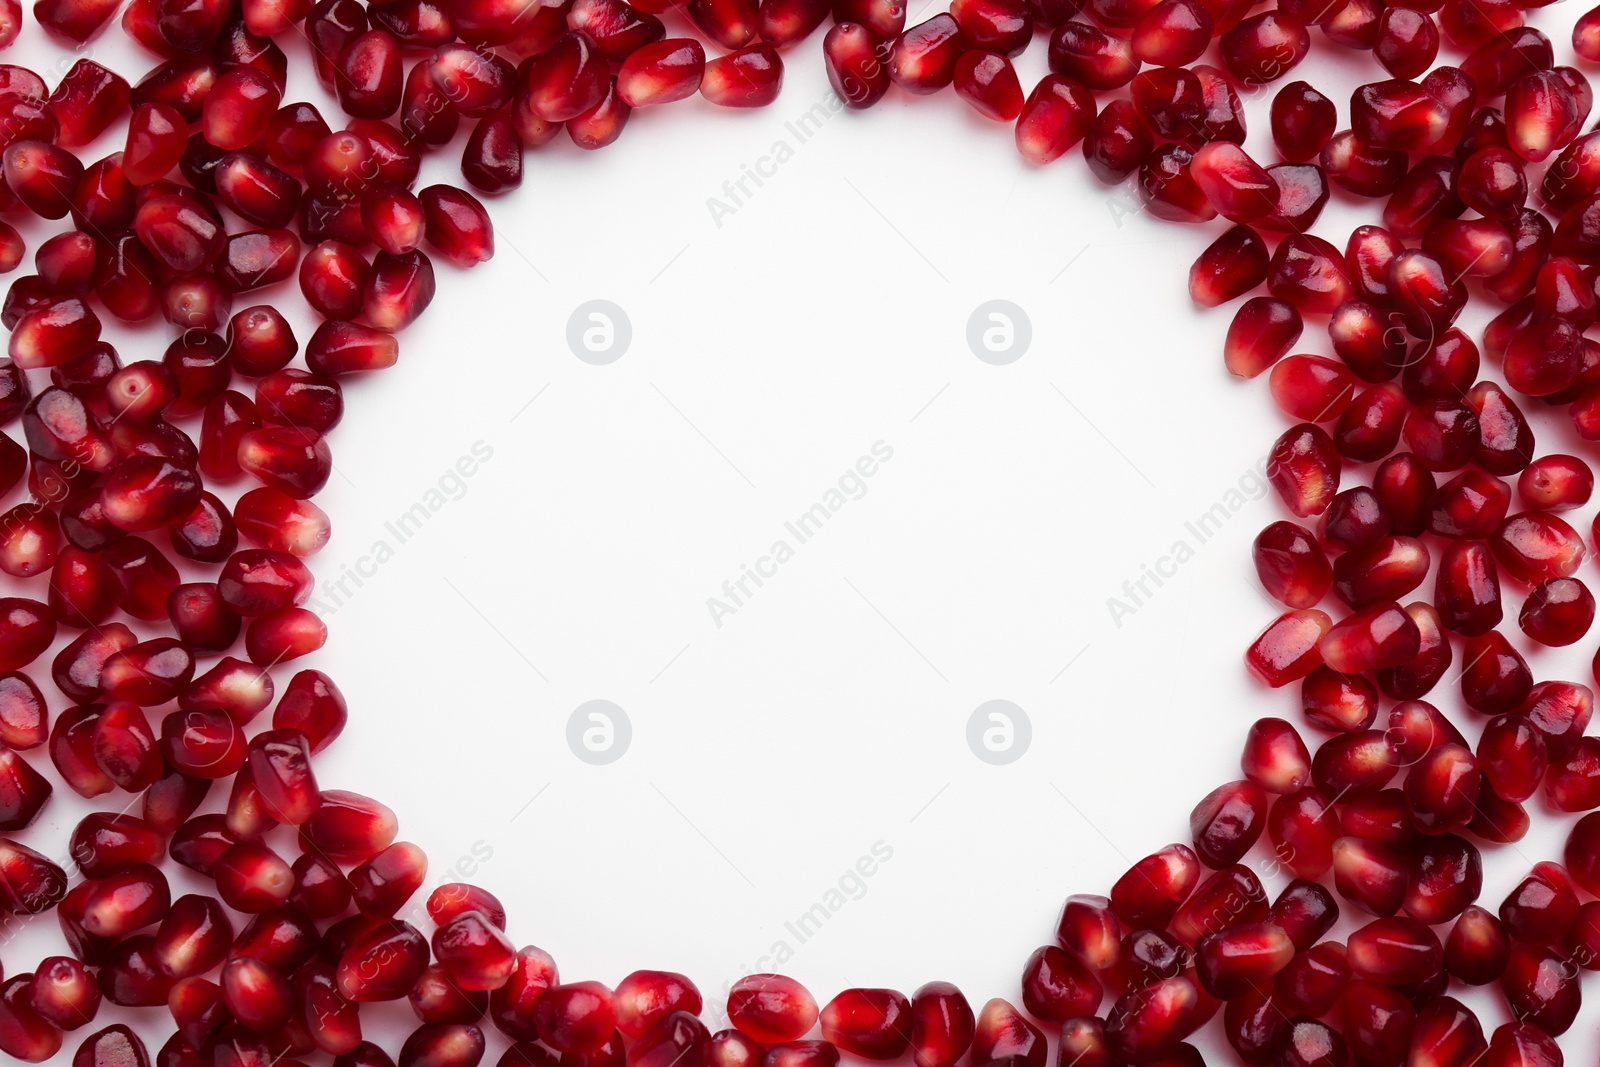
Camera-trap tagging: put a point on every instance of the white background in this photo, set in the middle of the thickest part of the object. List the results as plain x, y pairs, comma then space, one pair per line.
768, 354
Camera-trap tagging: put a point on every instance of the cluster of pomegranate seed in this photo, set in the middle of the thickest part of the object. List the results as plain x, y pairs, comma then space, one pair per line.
1491, 191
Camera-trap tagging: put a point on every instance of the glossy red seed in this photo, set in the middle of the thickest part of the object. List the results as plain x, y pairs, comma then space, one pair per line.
1150, 892
1232, 961
1055, 117
1536, 547
1150, 1023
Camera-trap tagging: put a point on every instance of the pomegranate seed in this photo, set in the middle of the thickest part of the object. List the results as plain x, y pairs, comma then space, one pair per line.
1397, 950
1536, 547
1055, 117
1304, 468
876, 1023
1369, 875
988, 82
1291, 565
1339, 702
292, 460
1150, 892
284, 635
1386, 570
1227, 898
64, 993
1289, 648
1303, 122
1226, 823
1558, 612
233, 687
1230, 962
1512, 755
512, 1005
1302, 831
194, 937
771, 1008
1275, 758
1477, 948
157, 139
1542, 908
1313, 981
1378, 1022
1002, 1031
1561, 712
1541, 988
1149, 1023
349, 828
1231, 266
942, 1025
1264, 47
663, 71
1173, 33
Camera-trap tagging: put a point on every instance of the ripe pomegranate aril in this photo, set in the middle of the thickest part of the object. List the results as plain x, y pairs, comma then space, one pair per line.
1150, 892
1003, 1032
257, 996
284, 635
1394, 951
1117, 142
1385, 570
663, 71
1378, 1022
1229, 897
1168, 191
1231, 962
64, 993
1541, 988
1089, 55
232, 686
1556, 483
1147, 956
1173, 33
876, 1023
1369, 340
1289, 648
1446, 876
1254, 1025
988, 82
1309, 273
1275, 757
146, 674
1340, 702
1303, 832
1573, 780
437, 999
1314, 980
479, 957
1536, 547
771, 1008
1226, 823
1512, 754
1375, 637
1055, 117
1149, 1023
31, 883
194, 937
1304, 468
1557, 612
511, 1006
942, 1026
349, 828
1441, 789
1302, 194
124, 746
292, 460
1291, 565
1477, 948
1303, 121
1265, 47
1369, 875
1231, 266
1262, 331
1542, 908
157, 139
253, 878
